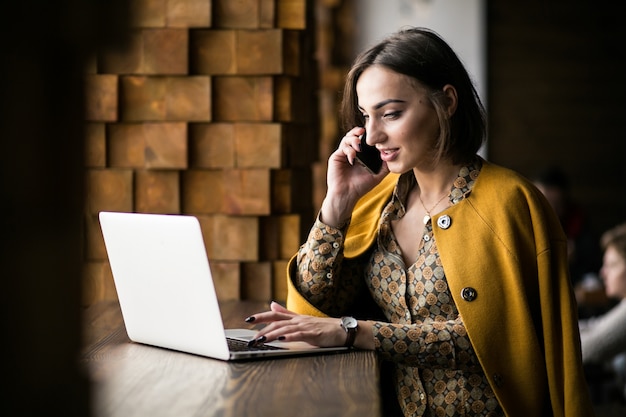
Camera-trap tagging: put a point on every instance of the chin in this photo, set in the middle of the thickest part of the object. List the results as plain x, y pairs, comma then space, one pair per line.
397, 168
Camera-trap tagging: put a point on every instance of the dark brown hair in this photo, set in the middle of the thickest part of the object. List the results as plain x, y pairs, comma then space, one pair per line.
425, 57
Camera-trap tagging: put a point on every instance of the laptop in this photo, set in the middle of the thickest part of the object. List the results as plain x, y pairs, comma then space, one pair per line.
166, 292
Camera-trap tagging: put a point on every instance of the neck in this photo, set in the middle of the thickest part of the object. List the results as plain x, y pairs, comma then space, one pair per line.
436, 182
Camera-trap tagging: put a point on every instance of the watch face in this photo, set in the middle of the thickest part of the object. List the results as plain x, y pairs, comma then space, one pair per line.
349, 322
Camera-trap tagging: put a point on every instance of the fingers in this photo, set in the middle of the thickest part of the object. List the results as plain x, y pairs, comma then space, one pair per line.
353, 138
268, 317
313, 330
351, 144
277, 312
275, 330
274, 306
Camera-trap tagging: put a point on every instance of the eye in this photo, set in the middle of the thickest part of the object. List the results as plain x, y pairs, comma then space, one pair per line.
365, 116
392, 115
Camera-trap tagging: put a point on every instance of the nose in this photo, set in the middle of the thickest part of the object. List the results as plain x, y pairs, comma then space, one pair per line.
374, 134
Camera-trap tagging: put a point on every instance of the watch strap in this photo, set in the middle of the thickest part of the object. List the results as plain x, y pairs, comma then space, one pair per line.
351, 335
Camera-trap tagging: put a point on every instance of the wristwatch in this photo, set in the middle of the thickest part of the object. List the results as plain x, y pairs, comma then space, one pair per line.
350, 325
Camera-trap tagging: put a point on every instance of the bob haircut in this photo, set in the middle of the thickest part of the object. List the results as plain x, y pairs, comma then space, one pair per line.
423, 56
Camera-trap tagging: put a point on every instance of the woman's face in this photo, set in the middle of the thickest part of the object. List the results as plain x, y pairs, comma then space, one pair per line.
399, 119
613, 273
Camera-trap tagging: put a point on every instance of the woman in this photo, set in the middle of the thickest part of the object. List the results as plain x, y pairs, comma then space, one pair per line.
603, 338
455, 268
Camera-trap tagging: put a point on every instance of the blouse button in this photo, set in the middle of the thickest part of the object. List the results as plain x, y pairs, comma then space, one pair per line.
444, 221
335, 245
329, 275
426, 238
422, 396
469, 294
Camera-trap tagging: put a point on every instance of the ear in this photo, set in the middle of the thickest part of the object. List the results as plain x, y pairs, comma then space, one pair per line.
450, 92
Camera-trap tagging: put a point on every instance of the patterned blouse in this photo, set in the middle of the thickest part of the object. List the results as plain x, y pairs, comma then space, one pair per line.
437, 372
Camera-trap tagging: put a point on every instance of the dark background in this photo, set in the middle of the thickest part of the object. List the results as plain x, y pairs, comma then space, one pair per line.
557, 88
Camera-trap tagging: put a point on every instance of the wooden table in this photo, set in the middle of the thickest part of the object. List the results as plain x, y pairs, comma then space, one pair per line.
130, 379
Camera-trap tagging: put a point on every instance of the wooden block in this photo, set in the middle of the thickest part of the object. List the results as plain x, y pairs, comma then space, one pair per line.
213, 52
329, 125
227, 280
95, 145
247, 192
289, 238
256, 281
109, 190
309, 112
97, 283
291, 14
166, 145
231, 238
126, 145
259, 52
94, 243
124, 60
157, 191
319, 171
101, 95
282, 192
148, 145
148, 13
333, 79
302, 144
268, 238
280, 236
258, 145
188, 13
166, 98
291, 52
203, 191
243, 99
188, 98
212, 145
239, 14
267, 14
149, 51
284, 99
279, 281
294, 100
165, 51
291, 191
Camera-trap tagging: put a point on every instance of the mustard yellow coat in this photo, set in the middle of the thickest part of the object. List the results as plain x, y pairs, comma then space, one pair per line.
505, 242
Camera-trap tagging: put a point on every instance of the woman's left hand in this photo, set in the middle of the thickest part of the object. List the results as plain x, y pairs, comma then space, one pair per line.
285, 325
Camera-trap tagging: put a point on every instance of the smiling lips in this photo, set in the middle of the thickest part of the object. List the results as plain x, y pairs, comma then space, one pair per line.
388, 154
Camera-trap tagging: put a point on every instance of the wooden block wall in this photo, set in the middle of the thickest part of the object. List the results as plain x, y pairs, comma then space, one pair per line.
210, 110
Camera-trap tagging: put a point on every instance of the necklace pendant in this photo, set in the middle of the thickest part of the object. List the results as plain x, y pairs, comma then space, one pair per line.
426, 219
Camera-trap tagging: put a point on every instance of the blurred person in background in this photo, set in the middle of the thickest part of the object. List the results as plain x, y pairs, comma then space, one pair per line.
603, 338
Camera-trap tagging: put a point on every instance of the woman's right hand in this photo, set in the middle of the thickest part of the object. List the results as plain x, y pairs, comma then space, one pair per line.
347, 180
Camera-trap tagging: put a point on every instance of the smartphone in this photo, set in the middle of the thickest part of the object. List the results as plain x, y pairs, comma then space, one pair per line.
369, 157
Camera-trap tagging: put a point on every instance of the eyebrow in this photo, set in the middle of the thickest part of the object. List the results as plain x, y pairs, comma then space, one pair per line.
385, 102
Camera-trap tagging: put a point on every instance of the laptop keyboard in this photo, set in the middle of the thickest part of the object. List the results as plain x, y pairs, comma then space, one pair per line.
240, 346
